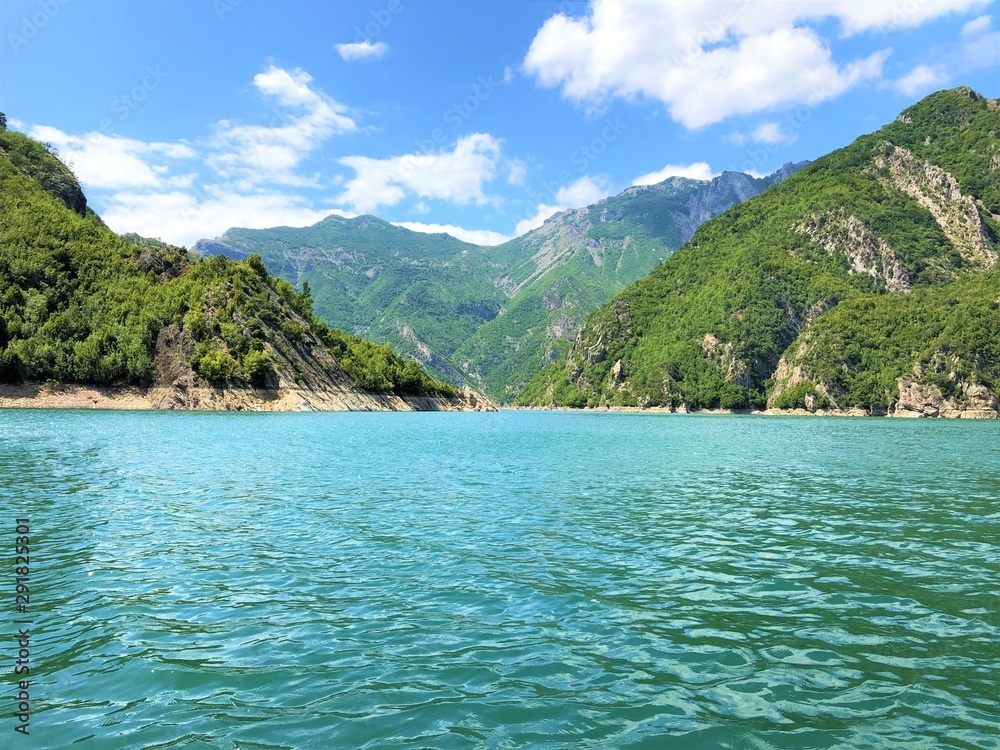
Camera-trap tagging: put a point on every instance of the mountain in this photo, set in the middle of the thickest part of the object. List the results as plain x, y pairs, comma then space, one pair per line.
138, 320
556, 275
867, 281
489, 316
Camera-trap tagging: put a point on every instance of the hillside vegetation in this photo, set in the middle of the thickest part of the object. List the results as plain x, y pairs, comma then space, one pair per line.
79, 304
865, 280
489, 316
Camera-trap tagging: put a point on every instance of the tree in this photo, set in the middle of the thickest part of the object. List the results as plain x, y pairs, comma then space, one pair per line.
3, 122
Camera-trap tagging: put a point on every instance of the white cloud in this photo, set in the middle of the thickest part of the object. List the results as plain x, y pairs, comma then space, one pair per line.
365, 50
583, 192
458, 175
259, 154
183, 218
979, 47
709, 61
699, 170
153, 188
771, 133
112, 162
920, 80
977, 26
160, 189
508, 75
517, 172
475, 236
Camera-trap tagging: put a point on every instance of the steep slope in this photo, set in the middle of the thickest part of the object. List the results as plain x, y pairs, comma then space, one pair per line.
487, 316
863, 281
81, 306
578, 260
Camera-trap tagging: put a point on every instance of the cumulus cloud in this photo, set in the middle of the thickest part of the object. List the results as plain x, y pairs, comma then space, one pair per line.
365, 50
250, 175
458, 176
699, 170
271, 153
979, 48
155, 188
112, 161
709, 61
772, 133
475, 236
583, 192
976, 26
920, 80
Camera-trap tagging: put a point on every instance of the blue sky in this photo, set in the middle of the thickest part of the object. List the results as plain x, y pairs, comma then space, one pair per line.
183, 118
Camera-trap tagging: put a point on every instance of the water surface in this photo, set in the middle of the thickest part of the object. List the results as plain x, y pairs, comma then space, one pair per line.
512, 580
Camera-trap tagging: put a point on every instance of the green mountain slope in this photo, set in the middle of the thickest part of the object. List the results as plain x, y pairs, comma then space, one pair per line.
862, 281
423, 293
79, 304
558, 274
487, 316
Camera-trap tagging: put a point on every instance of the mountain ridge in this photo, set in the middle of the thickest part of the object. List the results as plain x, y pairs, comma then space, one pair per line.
489, 316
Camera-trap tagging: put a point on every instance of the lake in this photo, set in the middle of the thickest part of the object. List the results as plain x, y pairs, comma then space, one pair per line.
511, 580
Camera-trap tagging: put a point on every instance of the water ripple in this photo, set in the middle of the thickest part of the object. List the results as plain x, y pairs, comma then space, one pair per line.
508, 581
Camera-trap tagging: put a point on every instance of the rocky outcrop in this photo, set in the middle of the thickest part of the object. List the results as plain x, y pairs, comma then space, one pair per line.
721, 354
304, 376
920, 398
206, 398
841, 234
938, 192
924, 400
917, 398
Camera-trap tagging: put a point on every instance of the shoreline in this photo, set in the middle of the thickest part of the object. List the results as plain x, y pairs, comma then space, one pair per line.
33, 395
977, 414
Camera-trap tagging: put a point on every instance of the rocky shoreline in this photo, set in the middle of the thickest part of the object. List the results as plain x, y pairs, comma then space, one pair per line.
976, 413
178, 398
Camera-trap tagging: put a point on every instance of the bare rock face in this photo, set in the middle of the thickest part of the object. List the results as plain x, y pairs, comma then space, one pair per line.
841, 234
939, 192
64, 186
916, 400
305, 377
924, 400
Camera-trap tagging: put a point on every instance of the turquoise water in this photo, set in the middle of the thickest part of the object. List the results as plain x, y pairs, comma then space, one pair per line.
507, 580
